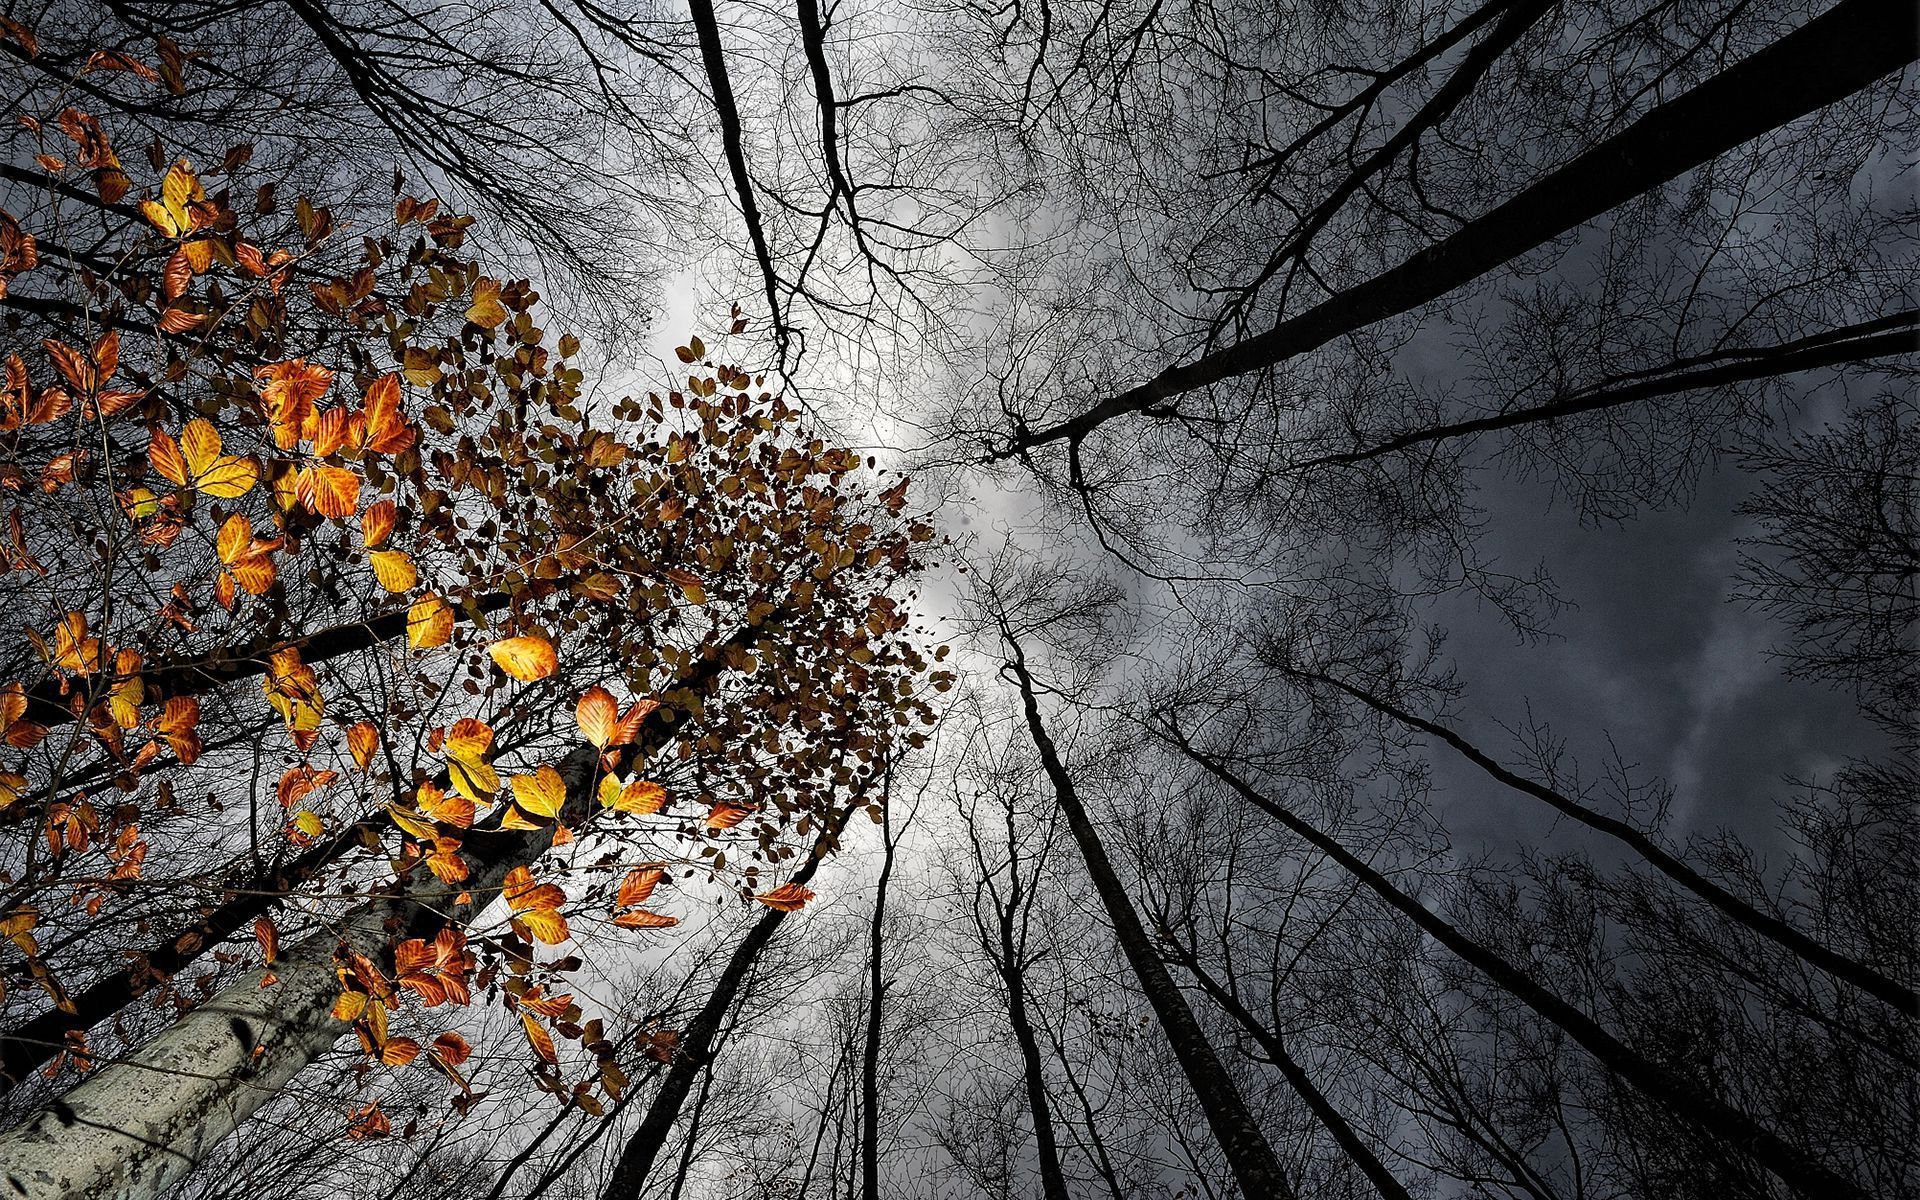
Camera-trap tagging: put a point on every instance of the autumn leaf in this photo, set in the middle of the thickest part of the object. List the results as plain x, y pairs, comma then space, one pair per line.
429, 622
638, 885
525, 658
540, 794
486, 310
726, 816
455, 810
468, 740
598, 715
451, 1049
195, 462
541, 1039
268, 937
393, 569
173, 213
788, 897
640, 797
329, 491
376, 524
398, 1052
363, 738
641, 918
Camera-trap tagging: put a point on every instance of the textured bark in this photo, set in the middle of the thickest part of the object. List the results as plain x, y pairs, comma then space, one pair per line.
1351, 1143
135, 1128
876, 1013
1794, 1166
1718, 898
1826, 60
1250, 1157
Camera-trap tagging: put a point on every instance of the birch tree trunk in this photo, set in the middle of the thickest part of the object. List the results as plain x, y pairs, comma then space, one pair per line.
136, 1128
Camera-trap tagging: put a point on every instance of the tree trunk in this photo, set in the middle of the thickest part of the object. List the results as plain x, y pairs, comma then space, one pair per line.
1829, 58
1883, 337
137, 1127
1241, 1141
1791, 1164
1343, 1131
876, 1012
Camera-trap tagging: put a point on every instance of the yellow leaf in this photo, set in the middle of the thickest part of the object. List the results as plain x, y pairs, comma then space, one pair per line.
547, 926
525, 658
309, 823
468, 739
412, 822
349, 1005
541, 1039
363, 738
486, 310
477, 781
540, 794
641, 797
429, 622
393, 569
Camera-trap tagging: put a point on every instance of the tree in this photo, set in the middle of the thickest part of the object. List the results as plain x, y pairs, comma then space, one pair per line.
744, 576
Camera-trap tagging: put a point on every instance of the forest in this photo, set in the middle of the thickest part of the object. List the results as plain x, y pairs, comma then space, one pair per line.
960, 600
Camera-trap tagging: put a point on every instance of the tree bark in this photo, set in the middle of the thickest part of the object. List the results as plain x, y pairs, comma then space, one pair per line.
1249, 1156
137, 1127
1793, 1165
876, 1012
1351, 1143
1829, 58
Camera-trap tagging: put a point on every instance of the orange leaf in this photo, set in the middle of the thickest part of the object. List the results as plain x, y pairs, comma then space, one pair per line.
376, 523
598, 715
486, 310
398, 1052
525, 658
726, 816
788, 897
524, 895
541, 1039
451, 1048
640, 918
269, 938
468, 739
363, 738
455, 810
638, 885
330, 491
164, 453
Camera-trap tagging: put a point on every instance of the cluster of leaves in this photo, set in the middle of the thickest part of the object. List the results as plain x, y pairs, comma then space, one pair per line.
381, 492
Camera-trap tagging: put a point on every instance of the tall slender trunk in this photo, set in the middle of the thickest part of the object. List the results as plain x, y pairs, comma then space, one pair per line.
1351, 1143
696, 1046
1008, 950
1683, 1096
876, 1013
1248, 1155
1826, 60
1718, 898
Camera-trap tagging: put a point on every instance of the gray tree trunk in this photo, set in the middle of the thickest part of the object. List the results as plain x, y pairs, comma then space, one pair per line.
137, 1127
